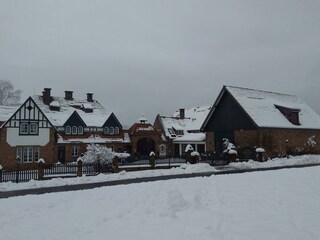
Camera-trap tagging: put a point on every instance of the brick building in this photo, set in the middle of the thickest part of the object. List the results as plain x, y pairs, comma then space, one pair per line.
279, 123
181, 129
57, 129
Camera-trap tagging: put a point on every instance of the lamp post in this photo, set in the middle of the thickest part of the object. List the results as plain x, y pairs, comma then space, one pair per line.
17, 168
287, 149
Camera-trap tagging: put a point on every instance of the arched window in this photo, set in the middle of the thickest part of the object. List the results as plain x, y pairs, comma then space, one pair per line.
74, 130
116, 131
68, 130
34, 129
111, 131
106, 130
24, 128
80, 130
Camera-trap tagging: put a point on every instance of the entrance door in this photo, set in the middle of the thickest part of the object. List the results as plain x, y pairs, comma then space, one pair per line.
145, 146
62, 154
218, 142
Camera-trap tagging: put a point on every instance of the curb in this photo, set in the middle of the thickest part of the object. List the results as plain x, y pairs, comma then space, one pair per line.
87, 186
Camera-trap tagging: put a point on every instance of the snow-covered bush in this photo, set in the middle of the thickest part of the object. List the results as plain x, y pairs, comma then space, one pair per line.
193, 154
98, 153
229, 147
188, 148
260, 150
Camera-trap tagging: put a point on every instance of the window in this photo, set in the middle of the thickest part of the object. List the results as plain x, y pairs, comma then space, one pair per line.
28, 154
68, 130
291, 114
74, 130
74, 151
29, 129
111, 131
24, 128
106, 130
34, 128
116, 131
80, 130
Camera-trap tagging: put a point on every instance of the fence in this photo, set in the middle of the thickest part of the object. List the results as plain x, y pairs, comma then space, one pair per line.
54, 170
48, 171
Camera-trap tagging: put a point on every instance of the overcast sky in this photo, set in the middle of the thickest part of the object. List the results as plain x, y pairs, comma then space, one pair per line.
156, 56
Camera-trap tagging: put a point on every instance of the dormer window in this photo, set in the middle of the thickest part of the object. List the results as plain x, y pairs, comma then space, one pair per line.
106, 131
291, 114
80, 130
116, 131
74, 130
111, 131
68, 130
171, 132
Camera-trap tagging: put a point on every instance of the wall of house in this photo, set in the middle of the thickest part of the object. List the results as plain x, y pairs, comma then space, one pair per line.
278, 142
15, 139
210, 142
8, 153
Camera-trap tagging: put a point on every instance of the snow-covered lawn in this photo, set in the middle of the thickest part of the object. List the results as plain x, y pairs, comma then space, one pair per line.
184, 168
283, 204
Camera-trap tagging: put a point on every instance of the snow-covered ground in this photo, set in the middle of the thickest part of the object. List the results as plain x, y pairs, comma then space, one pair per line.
184, 168
282, 204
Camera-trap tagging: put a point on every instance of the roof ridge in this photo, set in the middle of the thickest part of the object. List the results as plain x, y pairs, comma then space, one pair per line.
263, 91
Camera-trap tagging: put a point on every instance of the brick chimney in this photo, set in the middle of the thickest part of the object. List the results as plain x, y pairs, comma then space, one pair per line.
46, 96
68, 95
182, 113
90, 97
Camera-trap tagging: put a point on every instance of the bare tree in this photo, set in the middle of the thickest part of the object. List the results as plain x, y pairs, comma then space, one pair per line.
8, 96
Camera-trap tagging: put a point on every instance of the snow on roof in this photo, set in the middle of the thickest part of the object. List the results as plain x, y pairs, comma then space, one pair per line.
87, 106
143, 118
261, 107
96, 118
194, 118
94, 139
54, 104
6, 112
190, 137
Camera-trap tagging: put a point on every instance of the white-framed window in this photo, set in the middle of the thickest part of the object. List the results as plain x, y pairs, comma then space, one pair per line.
106, 130
111, 131
80, 130
68, 130
28, 154
29, 128
74, 130
24, 128
34, 128
75, 151
116, 131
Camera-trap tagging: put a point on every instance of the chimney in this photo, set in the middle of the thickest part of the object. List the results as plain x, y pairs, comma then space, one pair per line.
182, 113
90, 97
46, 96
68, 95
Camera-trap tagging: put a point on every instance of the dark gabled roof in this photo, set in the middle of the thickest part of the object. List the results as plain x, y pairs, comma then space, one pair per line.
260, 106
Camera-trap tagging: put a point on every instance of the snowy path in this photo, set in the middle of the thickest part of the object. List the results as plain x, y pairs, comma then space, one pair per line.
281, 204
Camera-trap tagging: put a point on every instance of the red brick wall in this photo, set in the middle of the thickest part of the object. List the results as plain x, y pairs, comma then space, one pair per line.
274, 141
8, 153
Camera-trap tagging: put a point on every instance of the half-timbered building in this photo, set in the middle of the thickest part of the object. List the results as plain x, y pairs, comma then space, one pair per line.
57, 129
25, 136
280, 123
